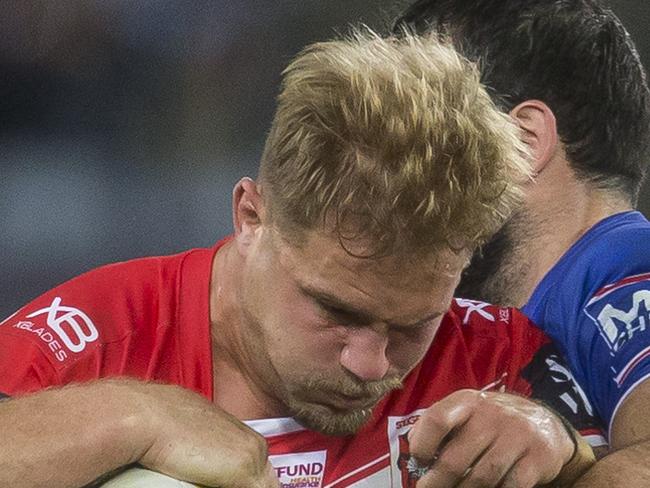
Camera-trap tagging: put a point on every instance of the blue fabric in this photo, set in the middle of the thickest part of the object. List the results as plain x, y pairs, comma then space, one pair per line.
594, 303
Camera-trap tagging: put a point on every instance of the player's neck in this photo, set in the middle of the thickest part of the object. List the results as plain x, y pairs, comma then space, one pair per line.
559, 209
235, 388
238, 395
552, 225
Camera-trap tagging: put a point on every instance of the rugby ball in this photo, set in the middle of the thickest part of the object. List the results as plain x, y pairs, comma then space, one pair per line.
144, 478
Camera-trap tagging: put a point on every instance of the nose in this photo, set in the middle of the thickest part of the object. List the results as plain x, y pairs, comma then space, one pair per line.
364, 354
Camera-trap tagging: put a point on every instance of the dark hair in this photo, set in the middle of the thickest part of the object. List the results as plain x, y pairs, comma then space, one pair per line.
575, 56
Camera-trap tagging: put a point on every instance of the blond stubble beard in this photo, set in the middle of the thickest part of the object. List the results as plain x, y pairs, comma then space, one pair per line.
330, 421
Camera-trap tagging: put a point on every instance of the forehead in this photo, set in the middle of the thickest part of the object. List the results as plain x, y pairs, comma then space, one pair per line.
396, 285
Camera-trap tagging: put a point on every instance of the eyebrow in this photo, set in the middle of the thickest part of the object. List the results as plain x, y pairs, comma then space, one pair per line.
363, 317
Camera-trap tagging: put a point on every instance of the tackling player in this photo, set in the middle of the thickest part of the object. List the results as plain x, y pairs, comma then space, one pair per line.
576, 256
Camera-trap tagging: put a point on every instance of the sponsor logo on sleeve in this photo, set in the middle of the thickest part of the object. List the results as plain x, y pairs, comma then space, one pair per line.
74, 328
473, 306
300, 470
621, 311
46, 336
504, 315
67, 329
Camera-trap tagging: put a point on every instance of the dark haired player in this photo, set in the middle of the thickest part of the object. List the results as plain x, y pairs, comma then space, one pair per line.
576, 257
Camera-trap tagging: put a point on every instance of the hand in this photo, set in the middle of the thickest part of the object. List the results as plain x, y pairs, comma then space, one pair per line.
193, 440
485, 439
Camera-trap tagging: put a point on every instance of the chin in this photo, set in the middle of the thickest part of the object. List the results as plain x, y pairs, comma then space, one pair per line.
326, 420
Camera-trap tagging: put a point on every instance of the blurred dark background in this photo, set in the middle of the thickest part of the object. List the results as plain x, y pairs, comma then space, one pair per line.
125, 124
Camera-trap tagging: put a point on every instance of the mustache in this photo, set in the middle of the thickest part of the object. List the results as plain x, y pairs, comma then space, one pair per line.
354, 388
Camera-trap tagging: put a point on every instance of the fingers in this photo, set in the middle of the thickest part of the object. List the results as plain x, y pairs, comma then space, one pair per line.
203, 444
523, 475
474, 457
437, 422
495, 463
456, 458
479, 439
268, 478
260, 478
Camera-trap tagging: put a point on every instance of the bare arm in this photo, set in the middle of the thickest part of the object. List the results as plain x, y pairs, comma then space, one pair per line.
629, 462
70, 436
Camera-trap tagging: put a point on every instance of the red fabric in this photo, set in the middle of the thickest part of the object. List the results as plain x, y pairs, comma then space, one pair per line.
152, 321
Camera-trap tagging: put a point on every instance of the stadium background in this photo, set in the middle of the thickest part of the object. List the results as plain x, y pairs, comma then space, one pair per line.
124, 125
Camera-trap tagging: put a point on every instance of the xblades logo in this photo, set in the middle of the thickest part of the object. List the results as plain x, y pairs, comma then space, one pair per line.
474, 306
74, 328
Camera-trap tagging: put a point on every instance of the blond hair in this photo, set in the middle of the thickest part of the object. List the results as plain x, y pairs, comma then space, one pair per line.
393, 140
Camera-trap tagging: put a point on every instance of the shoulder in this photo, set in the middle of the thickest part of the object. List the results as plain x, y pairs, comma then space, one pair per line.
126, 275
488, 339
108, 290
613, 250
102, 306
479, 319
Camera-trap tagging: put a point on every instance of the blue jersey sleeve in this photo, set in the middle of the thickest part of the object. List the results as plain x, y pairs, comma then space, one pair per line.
594, 303
617, 317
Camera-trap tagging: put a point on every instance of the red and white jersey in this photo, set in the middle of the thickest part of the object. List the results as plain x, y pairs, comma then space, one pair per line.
149, 319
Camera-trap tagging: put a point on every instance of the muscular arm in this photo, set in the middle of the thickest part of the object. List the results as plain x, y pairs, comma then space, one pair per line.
68, 437
629, 462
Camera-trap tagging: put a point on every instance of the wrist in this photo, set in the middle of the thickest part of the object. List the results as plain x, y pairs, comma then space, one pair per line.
579, 463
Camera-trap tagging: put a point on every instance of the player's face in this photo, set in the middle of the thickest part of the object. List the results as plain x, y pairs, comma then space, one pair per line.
333, 333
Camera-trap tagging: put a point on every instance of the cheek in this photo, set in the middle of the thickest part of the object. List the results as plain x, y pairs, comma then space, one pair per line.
301, 335
406, 350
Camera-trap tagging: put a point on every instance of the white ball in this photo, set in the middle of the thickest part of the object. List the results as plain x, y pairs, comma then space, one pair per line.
143, 478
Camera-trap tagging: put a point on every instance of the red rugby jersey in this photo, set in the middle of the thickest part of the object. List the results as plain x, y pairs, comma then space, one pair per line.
149, 319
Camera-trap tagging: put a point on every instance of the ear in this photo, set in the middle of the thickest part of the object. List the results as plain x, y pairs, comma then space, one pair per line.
247, 211
537, 122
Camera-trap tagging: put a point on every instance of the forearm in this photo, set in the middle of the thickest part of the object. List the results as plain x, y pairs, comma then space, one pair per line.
68, 437
629, 467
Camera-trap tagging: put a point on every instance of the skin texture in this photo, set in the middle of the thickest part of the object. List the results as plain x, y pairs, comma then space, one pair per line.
353, 349
629, 441
558, 209
95, 428
213, 451
496, 440
356, 326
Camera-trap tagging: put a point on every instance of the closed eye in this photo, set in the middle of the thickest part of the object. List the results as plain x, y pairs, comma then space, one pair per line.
340, 312
344, 316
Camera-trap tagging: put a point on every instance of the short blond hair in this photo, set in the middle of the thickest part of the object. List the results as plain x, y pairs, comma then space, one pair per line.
393, 140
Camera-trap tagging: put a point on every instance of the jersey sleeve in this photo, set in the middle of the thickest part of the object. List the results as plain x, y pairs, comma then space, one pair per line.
24, 368
49, 338
615, 326
538, 370
79, 331
515, 356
